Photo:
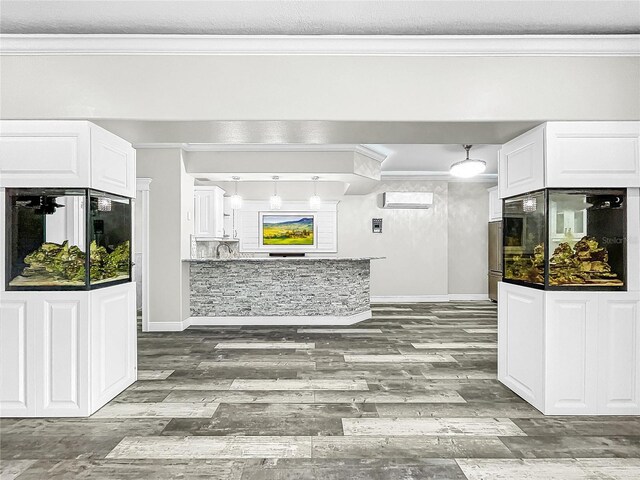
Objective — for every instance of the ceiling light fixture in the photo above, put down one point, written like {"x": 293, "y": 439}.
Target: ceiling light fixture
{"x": 236, "y": 200}
{"x": 468, "y": 167}
{"x": 315, "y": 201}
{"x": 275, "y": 202}
{"x": 529, "y": 204}
{"x": 104, "y": 204}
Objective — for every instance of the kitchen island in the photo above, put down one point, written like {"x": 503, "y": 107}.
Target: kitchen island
{"x": 279, "y": 291}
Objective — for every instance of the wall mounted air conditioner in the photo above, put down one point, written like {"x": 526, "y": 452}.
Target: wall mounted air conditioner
{"x": 407, "y": 199}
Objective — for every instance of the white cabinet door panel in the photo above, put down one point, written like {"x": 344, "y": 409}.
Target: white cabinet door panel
{"x": 44, "y": 154}
{"x": 522, "y": 164}
{"x": 113, "y": 165}
{"x": 619, "y": 355}
{"x": 16, "y": 394}
{"x": 209, "y": 212}
{"x": 62, "y": 338}
{"x": 113, "y": 349}
{"x": 571, "y": 335}
{"x": 593, "y": 154}
{"x": 520, "y": 341}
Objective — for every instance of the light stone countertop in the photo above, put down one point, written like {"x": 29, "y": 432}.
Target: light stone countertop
{"x": 271, "y": 259}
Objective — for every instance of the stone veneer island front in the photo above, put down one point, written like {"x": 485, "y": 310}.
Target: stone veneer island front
{"x": 279, "y": 291}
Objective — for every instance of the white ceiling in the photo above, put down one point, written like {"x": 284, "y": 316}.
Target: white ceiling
{"x": 312, "y": 17}
{"x": 433, "y": 157}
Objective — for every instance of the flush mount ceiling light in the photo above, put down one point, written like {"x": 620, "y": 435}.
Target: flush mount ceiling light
{"x": 275, "y": 202}
{"x": 468, "y": 167}
{"x": 314, "y": 200}
{"x": 236, "y": 200}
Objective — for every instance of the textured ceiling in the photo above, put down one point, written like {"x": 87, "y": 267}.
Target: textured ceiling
{"x": 360, "y": 17}
{"x": 433, "y": 157}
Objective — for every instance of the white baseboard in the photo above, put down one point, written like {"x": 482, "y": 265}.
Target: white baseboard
{"x": 259, "y": 321}
{"x": 453, "y": 297}
{"x": 281, "y": 320}
{"x": 467, "y": 297}
{"x": 168, "y": 326}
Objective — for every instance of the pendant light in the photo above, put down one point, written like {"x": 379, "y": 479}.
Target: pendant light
{"x": 275, "y": 202}
{"x": 236, "y": 200}
{"x": 468, "y": 167}
{"x": 314, "y": 200}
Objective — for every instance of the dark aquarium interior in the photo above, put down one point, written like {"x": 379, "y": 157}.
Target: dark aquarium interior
{"x": 566, "y": 239}
{"x": 66, "y": 239}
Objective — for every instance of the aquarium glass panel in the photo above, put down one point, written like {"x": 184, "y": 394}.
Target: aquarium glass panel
{"x": 590, "y": 251}
{"x": 109, "y": 224}
{"x": 524, "y": 242}
{"x": 45, "y": 238}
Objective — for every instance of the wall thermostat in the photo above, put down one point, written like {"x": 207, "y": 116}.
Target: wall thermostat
{"x": 376, "y": 225}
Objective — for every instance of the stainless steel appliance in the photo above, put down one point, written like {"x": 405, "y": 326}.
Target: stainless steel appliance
{"x": 495, "y": 258}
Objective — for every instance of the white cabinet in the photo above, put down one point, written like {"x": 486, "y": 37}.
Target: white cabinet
{"x": 66, "y": 354}
{"x": 209, "y": 212}
{"x": 571, "y": 154}
{"x": 495, "y": 205}
{"x": 521, "y": 341}
{"x": 593, "y": 154}
{"x": 17, "y": 363}
{"x": 65, "y": 154}
{"x": 571, "y": 353}
{"x": 521, "y": 164}
{"x": 619, "y": 354}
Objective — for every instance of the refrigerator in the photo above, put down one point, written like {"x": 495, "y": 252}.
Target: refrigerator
{"x": 495, "y": 258}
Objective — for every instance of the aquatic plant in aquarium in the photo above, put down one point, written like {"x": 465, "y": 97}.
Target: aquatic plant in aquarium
{"x": 47, "y": 233}
{"x": 579, "y": 235}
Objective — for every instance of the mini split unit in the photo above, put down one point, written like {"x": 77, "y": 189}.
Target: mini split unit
{"x": 407, "y": 199}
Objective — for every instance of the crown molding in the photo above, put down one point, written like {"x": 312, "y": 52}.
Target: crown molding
{"x": 436, "y": 175}
{"x": 361, "y": 45}
{"x": 367, "y": 151}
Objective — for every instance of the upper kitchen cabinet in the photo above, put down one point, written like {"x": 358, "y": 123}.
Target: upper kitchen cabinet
{"x": 571, "y": 155}
{"x": 209, "y": 212}
{"x": 63, "y": 154}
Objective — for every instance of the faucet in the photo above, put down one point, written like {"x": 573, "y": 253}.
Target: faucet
{"x": 222, "y": 244}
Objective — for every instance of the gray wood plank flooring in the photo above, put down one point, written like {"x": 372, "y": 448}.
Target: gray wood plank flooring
{"x": 410, "y": 394}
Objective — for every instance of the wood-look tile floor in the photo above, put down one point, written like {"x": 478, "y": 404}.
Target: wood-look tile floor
{"x": 409, "y": 394}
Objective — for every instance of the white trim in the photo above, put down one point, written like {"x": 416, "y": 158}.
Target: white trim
{"x": 367, "y": 45}
{"x": 435, "y": 175}
{"x": 143, "y": 187}
{"x": 468, "y": 297}
{"x": 371, "y": 153}
{"x": 409, "y": 298}
{"x": 168, "y": 326}
{"x": 259, "y": 321}
{"x": 143, "y": 183}
{"x": 367, "y": 151}
{"x": 452, "y": 297}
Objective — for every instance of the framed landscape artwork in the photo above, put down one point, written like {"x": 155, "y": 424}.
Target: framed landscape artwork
{"x": 288, "y": 230}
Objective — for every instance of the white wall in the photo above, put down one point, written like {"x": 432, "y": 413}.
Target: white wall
{"x": 163, "y": 166}
{"x": 413, "y": 242}
{"x": 468, "y": 237}
{"x": 307, "y": 87}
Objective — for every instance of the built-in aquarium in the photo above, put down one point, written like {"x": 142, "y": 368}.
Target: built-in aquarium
{"x": 66, "y": 239}
{"x": 566, "y": 239}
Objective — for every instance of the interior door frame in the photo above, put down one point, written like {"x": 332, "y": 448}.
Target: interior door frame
{"x": 142, "y": 196}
